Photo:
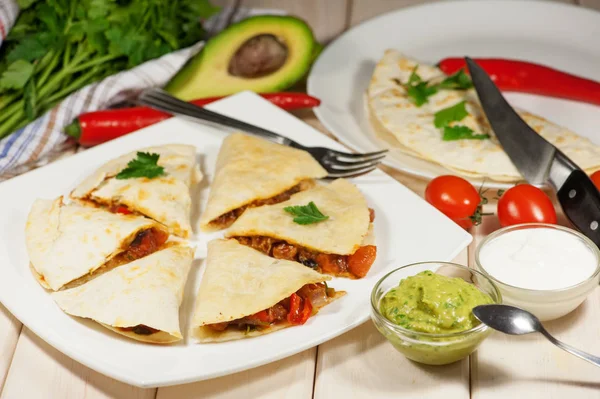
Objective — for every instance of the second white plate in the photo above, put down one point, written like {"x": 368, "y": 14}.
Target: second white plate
{"x": 558, "y": 35}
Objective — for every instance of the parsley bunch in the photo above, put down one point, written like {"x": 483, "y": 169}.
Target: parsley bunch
{"x": 58, "y": 46}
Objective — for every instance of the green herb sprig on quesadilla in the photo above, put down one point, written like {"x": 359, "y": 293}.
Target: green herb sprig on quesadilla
{"x": 419, "y": 90}
{"x": 460, "y": 132}
{"x": 306, "y": 214}
{"x": 144, "y": 165}
{"x": 455, "y": 113}
{"x": 457, "y": 81}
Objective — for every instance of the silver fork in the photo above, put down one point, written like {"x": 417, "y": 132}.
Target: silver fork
{"x": 338, "y": 164}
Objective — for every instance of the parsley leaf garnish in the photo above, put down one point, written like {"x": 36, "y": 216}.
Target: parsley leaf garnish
{"x": 418, "y": 90}
{"x": 306, "y": 214}
{"x": 457, "y": 81}
{"x": 145, "y": 165}
{"x": 414, "y": 78}
{"x": 454, "y": 113}
{"x": 420, "y": 93}
{"x": 461, "y": 132}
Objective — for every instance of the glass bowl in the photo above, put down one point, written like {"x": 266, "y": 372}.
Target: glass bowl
{"x": 428, "y": 348}
{"x": 546, "y": 304}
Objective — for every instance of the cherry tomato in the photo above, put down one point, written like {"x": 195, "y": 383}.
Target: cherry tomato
{"x": 596, "y": 178}
{"x": 454, "y": 197}
{"x": 525, "y": 204}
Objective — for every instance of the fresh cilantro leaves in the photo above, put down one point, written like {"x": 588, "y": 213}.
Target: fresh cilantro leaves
{"x": 56, "y": 47}
{"x": 144, "y": 165}
{"x": 23, "y": 4}
{"x": 457, "y": 81}
{"x": 306, "y": 214}
{"x": 456, "y": 112}
{"x": 420, "y": 93}
{"x": 16, "y": 75}
{"x": 419, "y": 90}
{"x": 460, "y": 132}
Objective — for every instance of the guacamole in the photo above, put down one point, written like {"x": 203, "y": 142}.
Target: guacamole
{"x": 432, "y": 303}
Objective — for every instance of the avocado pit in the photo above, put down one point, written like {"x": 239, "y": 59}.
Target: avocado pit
{"x": 258, "y": 56}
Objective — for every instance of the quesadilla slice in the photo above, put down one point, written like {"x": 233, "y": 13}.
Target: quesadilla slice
{"x": 252, "y": 172}
{"x": 412, "y": 109}
{"x": 67, "y": 243}
{"x": 153, "y": 182}
{"x": 139, "y": 300}
{"x": 245, "y": 293}
{"x": 338, "y": 244}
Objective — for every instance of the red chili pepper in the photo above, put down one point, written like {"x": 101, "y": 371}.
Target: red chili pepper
{"x": 527, "y": 77}
{"x": 97, "y": 127}
{"x": 300, "y": 309}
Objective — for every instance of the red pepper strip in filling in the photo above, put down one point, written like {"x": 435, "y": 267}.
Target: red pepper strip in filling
{"x": 527, "y": 77}
{"x": 300, "y": 310}
{"x": 296, "y": 309}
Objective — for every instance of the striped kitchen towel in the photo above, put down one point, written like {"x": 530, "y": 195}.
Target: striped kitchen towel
{"x": 43, "y": 140}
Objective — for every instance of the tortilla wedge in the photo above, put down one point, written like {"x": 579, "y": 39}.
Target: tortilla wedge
{"x": 250, "y": 172}
{"x": 345, "y": 231}
{"x": 139, "y": 300}
{"x": 165, "y": 199}
{"x": 69, "y": 242}
{"x": 239, "y": 281}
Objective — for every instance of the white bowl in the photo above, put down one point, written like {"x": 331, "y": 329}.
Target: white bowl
{"x": 545, "y": 304}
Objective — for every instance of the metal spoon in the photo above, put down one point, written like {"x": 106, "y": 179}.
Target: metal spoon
{"x": 515, "y": 321}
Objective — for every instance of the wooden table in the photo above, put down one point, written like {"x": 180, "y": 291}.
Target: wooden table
{"x": 358, "y": 364}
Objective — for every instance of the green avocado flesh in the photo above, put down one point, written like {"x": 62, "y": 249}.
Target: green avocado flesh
{"x": 264, "y": 54}
{"x": 432, "y": 303}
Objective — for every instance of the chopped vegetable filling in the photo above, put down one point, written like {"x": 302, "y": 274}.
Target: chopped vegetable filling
{"x": 295, "y": 309}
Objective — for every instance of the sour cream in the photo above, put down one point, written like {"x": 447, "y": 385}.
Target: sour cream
{"x": 538, "y": 259}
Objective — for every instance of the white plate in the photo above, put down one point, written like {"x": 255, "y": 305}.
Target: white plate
{"x": 407, "y": 230}
{"x": 559, "y": 35}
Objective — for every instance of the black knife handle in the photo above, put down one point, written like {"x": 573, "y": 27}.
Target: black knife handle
{"x": 580, "y": 201}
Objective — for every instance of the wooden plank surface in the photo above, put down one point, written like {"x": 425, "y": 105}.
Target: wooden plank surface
{"x": 595, "y": 4}
{"x": 39, "y": 371}
{"x": 327, "y": 18}
{"x": 10, "y": 328}
{"x": 290, "y": 378}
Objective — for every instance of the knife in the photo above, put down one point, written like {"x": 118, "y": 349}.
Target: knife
{"x": 539, "y": 161}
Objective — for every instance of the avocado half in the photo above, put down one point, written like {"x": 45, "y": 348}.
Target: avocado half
{"x": 264, "y": 54}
